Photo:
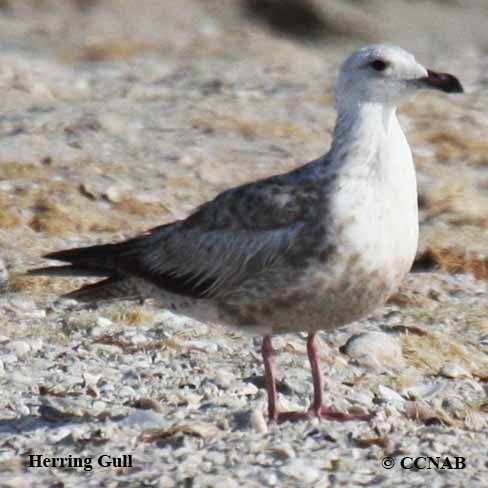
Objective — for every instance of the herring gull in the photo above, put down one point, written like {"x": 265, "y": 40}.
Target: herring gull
{"x": 312, "y": 249}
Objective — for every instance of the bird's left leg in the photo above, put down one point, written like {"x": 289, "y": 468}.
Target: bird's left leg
{"x": 318, "y": 408}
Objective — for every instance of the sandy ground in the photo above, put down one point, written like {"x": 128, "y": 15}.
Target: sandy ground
{"x": 118, "y": 116}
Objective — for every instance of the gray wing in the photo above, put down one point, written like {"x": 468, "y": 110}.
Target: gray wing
{"x": 247, "y": 231}
{"x": 242, "y": 233}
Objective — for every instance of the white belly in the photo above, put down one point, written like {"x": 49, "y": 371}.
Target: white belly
{"x": 375, "y": 236}
{"x": 382, "y": 212}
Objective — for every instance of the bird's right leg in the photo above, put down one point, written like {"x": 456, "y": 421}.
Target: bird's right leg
{"x": 318, "y": 408}
{"x": 270, "y": 380}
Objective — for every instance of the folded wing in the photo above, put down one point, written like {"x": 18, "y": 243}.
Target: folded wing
{"x": 241, "y": 233}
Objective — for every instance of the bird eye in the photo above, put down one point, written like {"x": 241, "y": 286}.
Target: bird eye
{"x": 378, "y": 65}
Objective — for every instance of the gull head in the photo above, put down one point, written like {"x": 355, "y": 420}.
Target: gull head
{"x": 386, "y": 74}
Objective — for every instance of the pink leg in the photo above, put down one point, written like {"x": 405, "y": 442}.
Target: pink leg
{"x": 269, "y": 377}
{"x": 317, "y": 408}
{"x": 313, "y": 358}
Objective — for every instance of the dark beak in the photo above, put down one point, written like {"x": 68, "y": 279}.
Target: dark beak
{"x": 441, "y": 81}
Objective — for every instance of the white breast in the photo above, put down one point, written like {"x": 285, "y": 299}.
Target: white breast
{"x": 400, "y": 207}
{"x": 377, "y": 202}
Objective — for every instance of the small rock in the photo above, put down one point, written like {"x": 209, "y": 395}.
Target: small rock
{"x": 421, "y": 412}
{"x": 126, "y": 392}
{"x": 6, "y": 186}
{"x": 36, "y": 344}
{"x": 144, "y": 403}
{"x": 9, "y": 358}
{"x": 224, "y": 378}
{"x": 203, "y": 430}
{"x": 240, "y": 388}
{"x": 258, "y": 422}
{"x": 145, "y": 419}
{"x": 475, "y": 420}
{"x": 215, "y": 457}
{"x": 205, "y": 345}
{"x": 423, "y": 391}
{"x": 3, "y": 273}
{"x": 285, "y": 451}
{"x": 368, "y": 361}
{"x": 17, "y": 481}
{"x": 301, "y": 470}
{"x": 59, "y": 408}
{"x": 58, "y": 434}
{"x": 454, "y": 406}
{"x": 114, "y": 194}
{"x": 222, "y": 482}
{"x": 454, "y": 370}
{"x": 98, "y": 187}
{"x": 362, "y": 397}
{"x": 91, "y": 379}
{"x": 103, "y": 322}
{"x": 20, "y": 379}
{"x": 21, "y": 408}
{"x": 187, "y": 161}
{"x": 214, "y": 172}
{"x": 98, "y": 408}
{"x": 20, "y": 348}
{"x": 379, "y": 347}
{"x": 17, "y": 304}
{"x": 391, "y": 396}
{"x": 137, "y": 339}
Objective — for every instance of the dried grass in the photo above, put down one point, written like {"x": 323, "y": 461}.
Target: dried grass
{"x": 35, "y": 285}
{"x": 449, "y": 145}
{"x": 456, "y": 195}
{"x": 134, "y": 316}
{"x": 134, "y": 206}
{"x": 106, "y": 51}
{"x": 73, "y": 216}
{"x": 405, "y": 299}
{"x": 245, "y": 128}
{"x": 452, "y": 260}
{"x": 194, "y": 429}
{"x": 432, "y": 350}
{"x": 52, "y": 219}
{"x": 131, "y": 348}
{"x": 12, "y": 170}
{"x": 8, "y": 218}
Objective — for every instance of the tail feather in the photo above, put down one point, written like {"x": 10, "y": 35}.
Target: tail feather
{"x": 109, "y": 289}
{"x": 93, "y": 261}
{"x": 124, "y": 265}
{"x": 100, "y": 260}
{"x": 69, "y": 270}
{"x": 101, "y": 257}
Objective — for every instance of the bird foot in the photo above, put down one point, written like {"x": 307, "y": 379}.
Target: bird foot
{"x": 293, "y": 416}
{"x": 331, "y": 414}
{"x": 323, "y": 413}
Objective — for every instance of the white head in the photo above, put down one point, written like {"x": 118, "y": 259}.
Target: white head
{"x": 386, "y": 74}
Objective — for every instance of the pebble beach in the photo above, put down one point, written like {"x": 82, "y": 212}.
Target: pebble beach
{"x": 119, "y": 116}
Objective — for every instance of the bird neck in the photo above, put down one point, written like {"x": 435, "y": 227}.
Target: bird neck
{"x": 361, "y": 127}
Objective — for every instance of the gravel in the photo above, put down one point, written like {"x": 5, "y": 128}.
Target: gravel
{"x": 119, "y": 116}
